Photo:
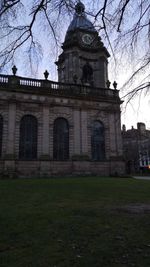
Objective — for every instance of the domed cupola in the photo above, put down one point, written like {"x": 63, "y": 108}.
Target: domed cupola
{"x": 79, "y": 23}
{"x": 80, "y": 20}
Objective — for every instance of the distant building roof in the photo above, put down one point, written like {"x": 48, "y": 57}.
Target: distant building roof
{"x": 132, "y": 133}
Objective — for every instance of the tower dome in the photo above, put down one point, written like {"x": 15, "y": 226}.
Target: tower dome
{"x": 80, "y": 20}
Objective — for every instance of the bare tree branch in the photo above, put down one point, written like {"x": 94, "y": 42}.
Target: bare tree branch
{"x": 122, "y": 14}
{"x": 7, "y": 5}
{"x": 124, "y": 23}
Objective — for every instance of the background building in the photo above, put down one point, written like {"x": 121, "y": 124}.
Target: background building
{"x": 69, "y": 126}
{"x": 136, "y": 147}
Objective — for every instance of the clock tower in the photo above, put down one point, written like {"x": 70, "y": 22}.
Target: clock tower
{"x": 84, "y": 57}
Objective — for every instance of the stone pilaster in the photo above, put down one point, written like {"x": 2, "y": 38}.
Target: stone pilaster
{"x": 84, "y": 133}
{"x": 113, "y": 148}
{"x": 77, "y": 134}
{"x": 10, "y": 149}
{"x": 45, "y": 133}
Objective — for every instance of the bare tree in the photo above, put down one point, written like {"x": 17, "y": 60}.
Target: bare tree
{"x": 124, "y": 23}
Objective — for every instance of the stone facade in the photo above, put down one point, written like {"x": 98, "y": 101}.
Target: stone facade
{"x": 136, "y": 148}
{"x": 81, "y": 99}
{"x": 80, "y": 111}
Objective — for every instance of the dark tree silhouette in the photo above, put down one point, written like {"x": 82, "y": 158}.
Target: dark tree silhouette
{"x": 124, "y": 23}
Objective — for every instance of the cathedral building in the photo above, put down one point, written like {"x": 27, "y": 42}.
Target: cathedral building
{"x": 67, "y": 127}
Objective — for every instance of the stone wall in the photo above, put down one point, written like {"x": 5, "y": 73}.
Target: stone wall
{"x": 41, "y": 169}
{"x": 80, "y": 115}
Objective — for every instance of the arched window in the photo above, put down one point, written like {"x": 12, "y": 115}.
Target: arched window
{"x": 98, "y": 141}
{"x": 1, "y": 134}
{"x": 87, "y": 74}
{"x": 61, "y": 139}
{"x": 28, "y": 138}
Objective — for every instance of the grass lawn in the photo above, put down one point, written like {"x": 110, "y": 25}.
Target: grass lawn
{"x": 81, "y": 222}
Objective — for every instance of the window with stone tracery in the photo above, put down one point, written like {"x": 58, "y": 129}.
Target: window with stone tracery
{"x": 28, "y": 138}
{"x": 61, "y": 139}
{"x": 98, "y": 141}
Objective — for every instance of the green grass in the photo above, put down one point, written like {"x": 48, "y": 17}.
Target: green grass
{"x": 81, "y": 222}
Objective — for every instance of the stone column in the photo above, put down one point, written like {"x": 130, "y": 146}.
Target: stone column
{"x": 10, "y": 150}
{"x": 70, "y": 69}
{"x": 45, "y": 132}
{"x": 67, "y": 69}
{"x": 100, "y": 74}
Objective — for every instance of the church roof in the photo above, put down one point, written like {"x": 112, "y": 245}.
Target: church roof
{"x": 80, "y": 20}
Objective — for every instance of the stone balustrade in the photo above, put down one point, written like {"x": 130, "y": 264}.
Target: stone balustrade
{"x": 56, "y": 88}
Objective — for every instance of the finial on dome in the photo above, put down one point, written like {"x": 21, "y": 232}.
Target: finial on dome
{"x": 79, "y": 8}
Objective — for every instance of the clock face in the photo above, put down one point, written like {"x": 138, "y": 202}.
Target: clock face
{"x": 87, "y": 39}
